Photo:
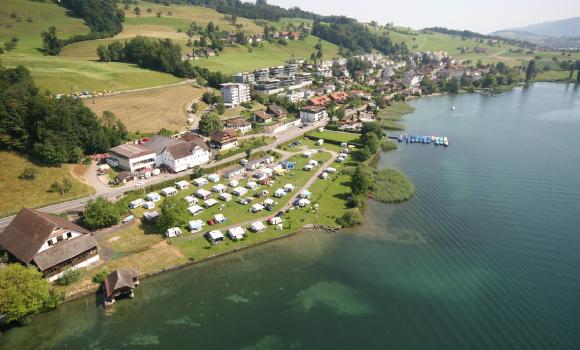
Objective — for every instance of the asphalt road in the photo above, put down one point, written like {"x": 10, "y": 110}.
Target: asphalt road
{"x": 114, "y": 192}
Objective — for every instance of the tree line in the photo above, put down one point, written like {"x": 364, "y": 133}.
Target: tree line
{"x": 103, "y": 17}
{"x": 351, "y": 35}
{"x": 162, "y": 55}
{"x": 474, "y": 35}
{"x": 53, "y": 130}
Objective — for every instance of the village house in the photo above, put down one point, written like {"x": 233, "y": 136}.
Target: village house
{"x": 277, "y": 111}
{"x": 294, "y": 35}
{"x": 239, "y": 124}
{"x": 319, "y": 101}
{"x": 235, "y": 93}
{"x": 178, "y": 155}
{"x": 224, "y": 139}
{"x": 295, "y": 96}
{"x": 262, "y": 117}
{"x": 49, "y": 242}
{"x": 339, "y": 96}
{"x": 133, "y": 157}
{"x": 312, "y": 114}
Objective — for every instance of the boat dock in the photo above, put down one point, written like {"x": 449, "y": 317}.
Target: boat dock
{"x": 423, "y": 139}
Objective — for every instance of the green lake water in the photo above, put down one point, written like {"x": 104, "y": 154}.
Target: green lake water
{"x": 498, "y": 267}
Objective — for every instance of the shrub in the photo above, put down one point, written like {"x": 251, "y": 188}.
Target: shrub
{"x": 29, "y": 173}
{"x": 101, "y": 275}
{"x": 349, "y": 218}
{"x": 68, "y": 277}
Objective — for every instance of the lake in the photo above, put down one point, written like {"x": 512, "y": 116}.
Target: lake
{"x": 485, "y": 256}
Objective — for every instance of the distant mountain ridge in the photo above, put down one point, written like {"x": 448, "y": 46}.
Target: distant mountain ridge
{"x": 569, "y": 27}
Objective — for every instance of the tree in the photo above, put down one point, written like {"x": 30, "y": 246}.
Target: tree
{"x": 371, "y": 141}
{"x": 454, "y": 85}
{"x": 23, "y": 292}
{"x": 173, "y": 213}
{"x": 50, "y": 41}
{"x": 361, "y": 180}
{"x": 531, "y": 71}
{"x": 61, "y": 187}
{"x": 210, "y": 123}
{"x": 221, "y": 107}
{"x": 29, "y": 173}
{"x": 100, "y": 213}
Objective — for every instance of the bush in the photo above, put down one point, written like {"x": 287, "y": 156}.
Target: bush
{"x": 29, "y": 173}
{"x": 349, "y": 218}
{"x": 68, "y": 277}
{"x": 101, "y": 275}
{"x": 388, "y": 145}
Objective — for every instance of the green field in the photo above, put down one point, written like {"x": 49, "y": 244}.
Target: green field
{"x": 18, "y": 193}
{"x": 77, "y": 68}
{"x": 234, "y": 60}
{"x": 336, "y": 136}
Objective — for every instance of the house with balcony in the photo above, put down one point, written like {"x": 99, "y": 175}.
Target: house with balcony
{"x": 48, "y": 242}
{"x": 224, "y": 139}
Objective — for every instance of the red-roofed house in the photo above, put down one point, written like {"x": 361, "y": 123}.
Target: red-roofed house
{"x": 339, "y": 96}
{"x": 320, "y": 101}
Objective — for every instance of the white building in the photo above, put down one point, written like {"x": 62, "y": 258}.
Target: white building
{"x": 178, "y": 155}
{"x": 295, "y": 96}
{"x": 312, "y": 114}
{"x": 235, "y": 93}
{"x": 133, "y": 157}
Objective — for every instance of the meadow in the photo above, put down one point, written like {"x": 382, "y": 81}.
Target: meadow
{"x": 36, "y": 190}
{"x": 150, "y": 110}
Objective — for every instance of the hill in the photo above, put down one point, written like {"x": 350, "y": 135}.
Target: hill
{"x": 569, "y": 27}
{"x": 77, "y": 68}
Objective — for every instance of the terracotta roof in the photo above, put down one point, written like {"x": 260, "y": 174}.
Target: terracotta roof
{"x": 131, "y": 150}
{"x": 320, "y": 100}
{"x": 338, "y": 96}
{"x": 29, "y": 230}
{"x": 65, "y": 250}
{"x": 119, "y": 279}
{"x": 275, "y": 109}
{"x": 218, "y": 136}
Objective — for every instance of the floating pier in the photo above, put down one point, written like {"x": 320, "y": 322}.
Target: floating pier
{"x": 423, "y": 139}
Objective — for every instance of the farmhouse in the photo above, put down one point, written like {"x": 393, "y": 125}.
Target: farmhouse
{"x": 224, "y": 139}
{"x": 133, "y": 157}
{"x": 312, "y": 114}
{"x": 277, "y": 111}
{"x": 48, "y": 241}
{"x": 239, "y": 124}
{"x": 262, "y": 117}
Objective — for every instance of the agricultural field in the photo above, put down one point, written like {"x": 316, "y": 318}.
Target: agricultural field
{"x": 36, "y": 190}
{"x": 150, "y": 110}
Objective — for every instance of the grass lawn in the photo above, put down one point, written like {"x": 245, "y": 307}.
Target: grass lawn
{"x": 337, "y": 136}
{"x": 234, "y": 60}
{"x": 151, "y": 110}
{"x": 18, "y": 193}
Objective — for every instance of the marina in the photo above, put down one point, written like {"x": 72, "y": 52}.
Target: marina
{"x": 423, "y": 139}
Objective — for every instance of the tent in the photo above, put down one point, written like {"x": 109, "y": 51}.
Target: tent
{"x": 173, "y": 232}
{"x": 236, "y": 233}
{"x": 195, "y": 209}
{"x": 257, "y": 207}
{"x": 169, "y": 191}
{"x": 153, "y": 197}
{"x": 182, "y": 184}
{"x": 215, "y": 236}
{"x": 195, "y": 225}
{"x": 226, "y": 197}
{"x": 213, "y": 177}
{"x": 210, "y": 203}
{"x": 257, "y": 226}
{"x": 288, "y": 187}
{"x": 200, "y": 181}
{"x": 239, "y": 191}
